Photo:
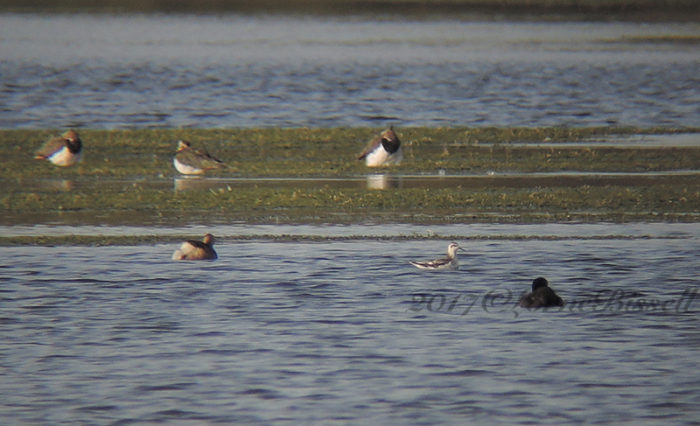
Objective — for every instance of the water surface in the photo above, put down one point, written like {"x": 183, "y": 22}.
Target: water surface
{"x": 125, "y": 71}
{"x": 348, "y": 331}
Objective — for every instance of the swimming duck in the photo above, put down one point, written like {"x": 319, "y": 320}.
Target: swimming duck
{"x": 64, "y": 150}
{"x": 541, "y": 296}
{"x": 196, "y": 250}
{"x": 384, "y": 149}
{"x": 192, "y": 161}
{"x": 450, "y": 262}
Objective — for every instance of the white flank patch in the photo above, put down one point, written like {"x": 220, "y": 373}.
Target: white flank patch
{"x": 185, "y": 169}
{"x": 63, "y": 157}
{"x": 380, "y": 157}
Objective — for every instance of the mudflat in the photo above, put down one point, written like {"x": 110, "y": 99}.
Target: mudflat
{"x": 303, "y": 175}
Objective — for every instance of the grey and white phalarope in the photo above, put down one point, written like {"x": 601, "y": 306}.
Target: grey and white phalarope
{"x": 194, "y": 161}
{"x": 450, "y": 262}
{"x": 196, "y": 250}
{"x": 542, "y": 296}
{"x": 384, "y": 149}
{"x": 64, "y": 150}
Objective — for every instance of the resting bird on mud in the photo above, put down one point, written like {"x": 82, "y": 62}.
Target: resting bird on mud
{"x": 192, "y": 161}
{"x": 196, "y": 250}
{"x": 542, "y": 296}
{"x": 383, "y": 150}
{"x": 65, "y": 150}
{"x": 450, "y": 262}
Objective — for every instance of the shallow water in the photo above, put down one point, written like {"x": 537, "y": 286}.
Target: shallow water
{"x": 348, "y": 331}
{"x": 379, "y": 181}
{"x": 125, "y": 71}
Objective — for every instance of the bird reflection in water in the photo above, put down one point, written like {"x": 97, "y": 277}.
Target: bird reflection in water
{"x": 61, "y": 185}
{"x": 198, "y": 183}
{"x": 382, "y": 181}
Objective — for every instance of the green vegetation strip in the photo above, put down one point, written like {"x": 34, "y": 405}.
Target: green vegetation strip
{"x": 331, "y": 152}
{"x": 312, "y": 176}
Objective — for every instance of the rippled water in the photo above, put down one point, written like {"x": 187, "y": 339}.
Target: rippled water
{"x": 104, "y": 71}
{"x": 347, "y": 331}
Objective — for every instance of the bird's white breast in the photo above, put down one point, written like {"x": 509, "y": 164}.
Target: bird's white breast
{"x": 380, "y": 156}
{"x": 185, "y": 169}
{"x": 63, "y": 157}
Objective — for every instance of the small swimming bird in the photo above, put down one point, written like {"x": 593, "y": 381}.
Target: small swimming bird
{"x": 384, "y": 149}
{"x": 450, "y": 262}
{"x": 541, "y": 296}
{"x": 193, "y": 161}
{"x": 196, "y": 250}
{"x": 64, "y": 150}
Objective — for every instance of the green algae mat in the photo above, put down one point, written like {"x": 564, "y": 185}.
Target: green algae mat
{"x": 448, "y": 175}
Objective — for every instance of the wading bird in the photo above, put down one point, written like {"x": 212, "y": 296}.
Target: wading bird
{"x": 64, "y": 150}
{"x": 384, "y": 149}
{"x": 450, "y": 262}
{"x": 193, "y": 161}
{"x": 196, "y": 250}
